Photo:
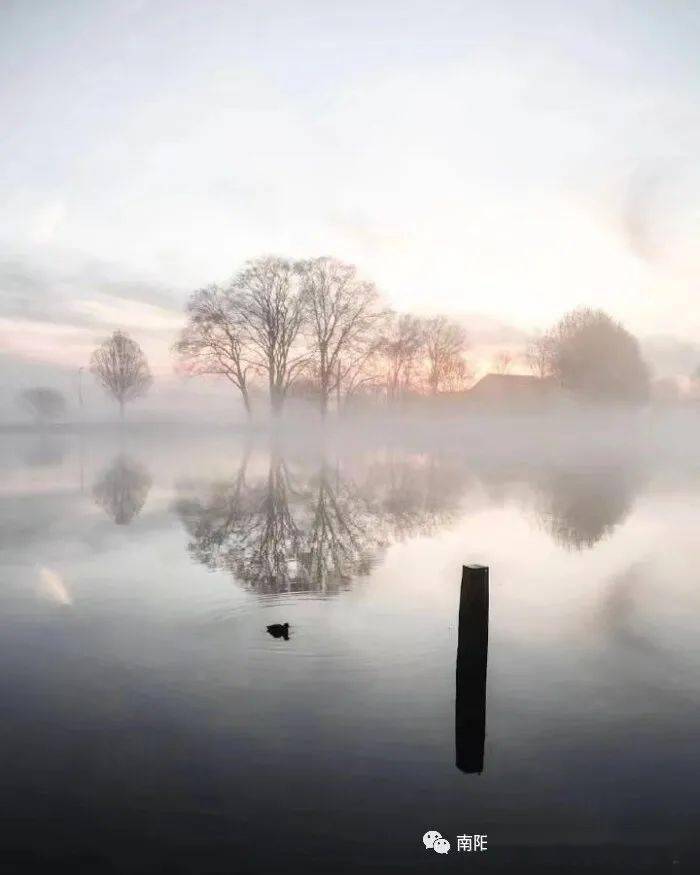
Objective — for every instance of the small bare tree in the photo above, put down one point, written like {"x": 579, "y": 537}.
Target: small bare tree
{"x": 402, "y": 346}
{"x": 456, "y": 375}
{"x": 343, "y": 317}
{"x": 502, "y": 362}
{"x": 269, "y": 299}
{"x": 445, "y": 344}
{"x": 45, "y": 405}
{"x": 540, "y": 352}
{"x": 214, "y": 339}
{"x": 121, "y": 369}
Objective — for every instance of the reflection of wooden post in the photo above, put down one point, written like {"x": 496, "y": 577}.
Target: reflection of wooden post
{"x": 472, "y": 651}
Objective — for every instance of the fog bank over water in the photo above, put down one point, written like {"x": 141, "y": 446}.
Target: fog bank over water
{"x": 577, "y": 474}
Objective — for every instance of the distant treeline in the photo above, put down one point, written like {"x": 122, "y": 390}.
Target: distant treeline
{"x": 316, "y": 329}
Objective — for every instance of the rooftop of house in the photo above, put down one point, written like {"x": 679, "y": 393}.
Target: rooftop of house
{"x": 504, "y": 387}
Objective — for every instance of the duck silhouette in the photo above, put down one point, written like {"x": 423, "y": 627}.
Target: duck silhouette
{"x": 279, "y": 630}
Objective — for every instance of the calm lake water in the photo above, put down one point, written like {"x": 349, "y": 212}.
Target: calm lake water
{"x": 151, "y": 724}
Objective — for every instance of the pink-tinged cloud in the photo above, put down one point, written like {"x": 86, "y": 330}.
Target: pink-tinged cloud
{"x": 46, "y": 342}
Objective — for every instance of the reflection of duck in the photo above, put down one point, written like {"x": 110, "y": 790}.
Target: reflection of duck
{"x": 279, "y": 630}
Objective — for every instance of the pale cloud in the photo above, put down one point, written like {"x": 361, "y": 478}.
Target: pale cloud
{"x": 128, "y": 314}
{"x": 45, "y": 341}
{"x": 46, "y": 221}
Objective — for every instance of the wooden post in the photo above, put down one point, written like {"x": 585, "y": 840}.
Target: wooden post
{"x": 472, "y": 652}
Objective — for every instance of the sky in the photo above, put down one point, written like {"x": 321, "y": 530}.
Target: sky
{"x": 499, "y": 161}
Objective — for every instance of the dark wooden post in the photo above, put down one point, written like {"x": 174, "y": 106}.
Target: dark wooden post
{"x": 472, "y": 652}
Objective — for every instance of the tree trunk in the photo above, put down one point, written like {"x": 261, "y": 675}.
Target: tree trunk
{"x": 246, "y": 404}
{"x": 276, "y": 394}
{"x": 276, "y": 401}
{"x": 323, "y": 399}
{"x": 324, "y": 375}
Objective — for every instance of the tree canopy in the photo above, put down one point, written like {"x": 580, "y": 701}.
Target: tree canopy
{"x": 121, "y": 368}
{"x": 593, "y": 356}
{"x": 42, "y": 403}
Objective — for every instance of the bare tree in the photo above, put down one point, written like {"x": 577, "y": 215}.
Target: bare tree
{"x": 365, "y": 375}
{"x": 445, "y": 344}
{"x": 43, "y": 404}
{"x": 457, "y": 374}
{"x": 214, "y": 339}
{"x": 121, "y": 368}
{"x": 269, "y": 299}
{"x": 343, "y": 316}
{"x": 402, "y": 346}
{"x": 539, "y": 356}
{"x": 502, "y": 362}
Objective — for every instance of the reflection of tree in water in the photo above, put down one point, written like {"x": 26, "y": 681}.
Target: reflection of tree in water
{"x": 296, "y": 532}
{"x": 45, "y": 451}
{"x": 280, "y": 533}
{"x": 341, "y": 538}
{"x": 122, "y": 490}
{"x": 263, "y": 541}
{"x": 580, "y": 506}
{"x": 416, "y": 495}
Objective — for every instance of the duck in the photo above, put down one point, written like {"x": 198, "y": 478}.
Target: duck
{"x": 279, "y": 630}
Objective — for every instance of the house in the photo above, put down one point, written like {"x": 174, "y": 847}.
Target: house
{"x": 514, "y": 392}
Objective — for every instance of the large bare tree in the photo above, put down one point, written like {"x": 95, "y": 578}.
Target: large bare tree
{"x": 120, "y": 366}
{"x": 343, "y": 317}
{"x": 269, "y": 298}
{"x": 445, "y": 344}
{"x": 214, "y": 339}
